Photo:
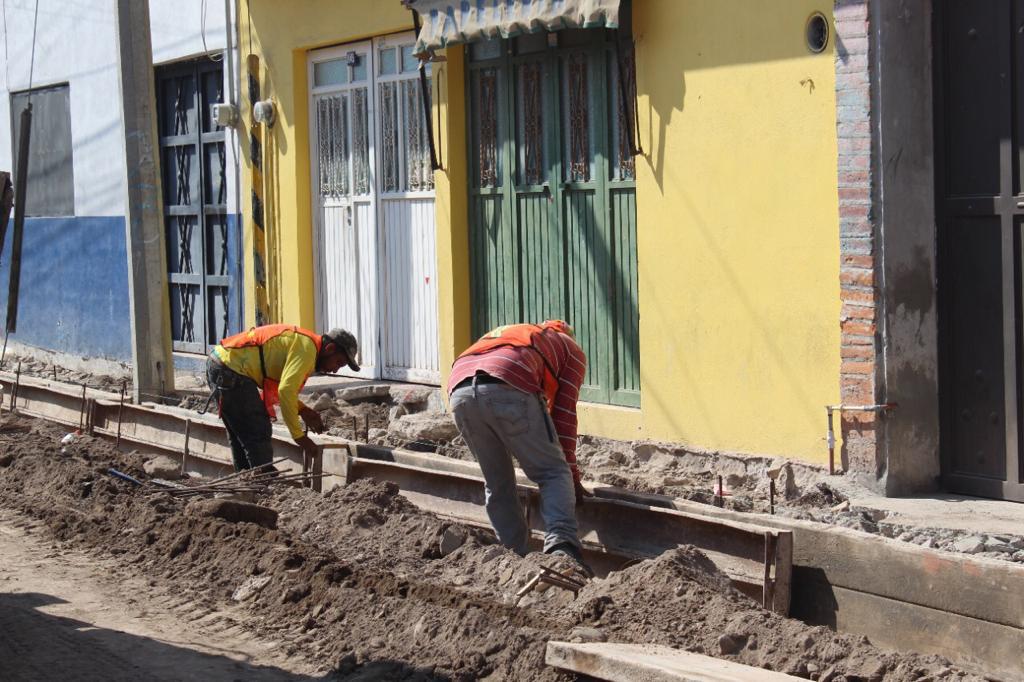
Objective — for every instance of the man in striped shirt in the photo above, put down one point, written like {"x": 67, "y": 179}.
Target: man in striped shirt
{"x": 514, "y": 394}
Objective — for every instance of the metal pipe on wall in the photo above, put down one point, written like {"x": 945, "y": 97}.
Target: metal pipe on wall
{"x": 830, "y": 438}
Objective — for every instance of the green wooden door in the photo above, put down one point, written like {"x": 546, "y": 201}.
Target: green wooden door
{"x": 553, "y": 199}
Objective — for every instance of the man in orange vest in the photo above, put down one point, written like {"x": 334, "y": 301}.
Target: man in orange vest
{"x": 513, "y": 394}
{"x": 251, "y": 372}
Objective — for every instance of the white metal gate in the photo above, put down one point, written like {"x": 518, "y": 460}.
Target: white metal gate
{"x": 373, "y": 206}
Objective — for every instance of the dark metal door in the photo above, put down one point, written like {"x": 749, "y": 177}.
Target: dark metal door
{"x": 979, "y": 116}
{"x": 198, "y": 233}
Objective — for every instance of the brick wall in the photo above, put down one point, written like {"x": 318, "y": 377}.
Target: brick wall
{"x": 859, "y": 315}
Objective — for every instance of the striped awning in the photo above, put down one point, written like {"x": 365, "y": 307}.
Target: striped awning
{"x": 450, "y": 22}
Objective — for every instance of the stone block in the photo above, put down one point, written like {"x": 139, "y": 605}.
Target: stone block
{"x": 424, "y": 426}
{"x": 322, "y": 402}
{"x": 250, "y": 588}
{"x": 163, "y": 467}
{"x": 451, "y": 539}
{"x": 995, "y": 545}
{"x": 365, "y": 392}
{"x": 411, "y": 395}
{"x": 972, "y": 544}
{"x": 585, "y": 634}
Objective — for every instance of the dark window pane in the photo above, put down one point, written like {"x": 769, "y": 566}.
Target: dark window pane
{"x": 51, "y": 179}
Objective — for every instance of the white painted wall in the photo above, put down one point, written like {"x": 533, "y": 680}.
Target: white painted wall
{"x": 176, "y": 28}
{"x": 76, "y": 43}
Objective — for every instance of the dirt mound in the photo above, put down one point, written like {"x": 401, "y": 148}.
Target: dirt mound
{"x": 366, "y": 585}
{"x": 681, "y": 600}
{"x": 821, "y": 495}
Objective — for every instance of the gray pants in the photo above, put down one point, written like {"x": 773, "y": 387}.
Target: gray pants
{"x": 498, "y": 423}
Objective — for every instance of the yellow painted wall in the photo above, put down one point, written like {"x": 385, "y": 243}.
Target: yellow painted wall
{"x": 281, "y": 34}
{"x": 738, "y": 240}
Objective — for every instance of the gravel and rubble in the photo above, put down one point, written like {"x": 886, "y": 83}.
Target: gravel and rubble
{"x": 367, "y": 586}
{"x": 37, "y": 367}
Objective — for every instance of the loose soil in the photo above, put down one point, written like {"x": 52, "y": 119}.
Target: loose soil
{"x": 804, "y": 492}
{"x": 362, "y": 585}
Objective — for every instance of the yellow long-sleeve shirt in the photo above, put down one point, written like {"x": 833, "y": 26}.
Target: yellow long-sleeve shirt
{"x": 290, "y": 358}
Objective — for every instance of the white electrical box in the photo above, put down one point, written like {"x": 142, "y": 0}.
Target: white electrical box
{"x": 225, "y": 115}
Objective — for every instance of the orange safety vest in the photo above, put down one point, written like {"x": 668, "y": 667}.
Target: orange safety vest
{"x": 521, "y": 336}
{"x": 257, "y": 336}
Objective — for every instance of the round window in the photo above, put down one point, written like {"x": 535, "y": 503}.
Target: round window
{"x": 817, "y": 32}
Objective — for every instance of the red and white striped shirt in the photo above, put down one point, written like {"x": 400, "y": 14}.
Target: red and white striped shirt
{"x": 523, "y": 368}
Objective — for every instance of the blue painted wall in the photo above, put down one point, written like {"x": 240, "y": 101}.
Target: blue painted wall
{"x": 74, "y": 286}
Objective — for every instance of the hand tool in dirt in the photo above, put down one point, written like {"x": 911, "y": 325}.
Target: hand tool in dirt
{"x": 568, "y": 580}
{"x": 124, "y": 477}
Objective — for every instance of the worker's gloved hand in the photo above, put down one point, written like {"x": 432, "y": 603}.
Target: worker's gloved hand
{"x": 309, "y": 449}
{"x": 581, "y": 492}
{"x": 312, "y": 418}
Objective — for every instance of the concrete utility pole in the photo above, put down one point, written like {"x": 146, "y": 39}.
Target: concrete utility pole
{"x": 152, "y": 361}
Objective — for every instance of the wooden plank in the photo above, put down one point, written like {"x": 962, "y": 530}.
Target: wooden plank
{"x": 987, "y": 589}
{"x": 651, "y": 663}
{"x": 783, "y": 573}
{"x": 768, "y": 599}
{"x": 988, "y": 648}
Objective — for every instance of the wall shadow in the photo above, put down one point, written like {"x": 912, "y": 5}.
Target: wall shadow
{"x": 37, "y": 645}
{"x": 813, "y": 599}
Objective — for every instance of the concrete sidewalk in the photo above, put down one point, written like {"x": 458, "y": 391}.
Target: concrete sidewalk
{"x": 941, "y": 510}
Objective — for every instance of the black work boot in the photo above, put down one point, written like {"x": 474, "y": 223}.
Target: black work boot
{"x": 571, "y": 551}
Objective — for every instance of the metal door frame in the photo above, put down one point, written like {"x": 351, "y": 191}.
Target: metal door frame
{"x": 199, "y": 139}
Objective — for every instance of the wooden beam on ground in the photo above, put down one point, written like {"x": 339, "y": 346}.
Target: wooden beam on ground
{"x": 651, "y": 663}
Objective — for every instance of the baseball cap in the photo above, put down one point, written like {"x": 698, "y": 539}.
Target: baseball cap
{"x": 347, "y": 343}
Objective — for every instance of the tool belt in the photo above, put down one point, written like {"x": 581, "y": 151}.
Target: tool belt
{"x": 227, "y": 379}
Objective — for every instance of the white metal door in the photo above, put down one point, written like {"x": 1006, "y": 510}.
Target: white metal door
{"x": 409, "y": 347}
{"x": 344, "y": 188}
{"x": 373, "y": 203}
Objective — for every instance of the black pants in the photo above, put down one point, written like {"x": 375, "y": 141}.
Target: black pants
{"x": 244, "y": 416}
